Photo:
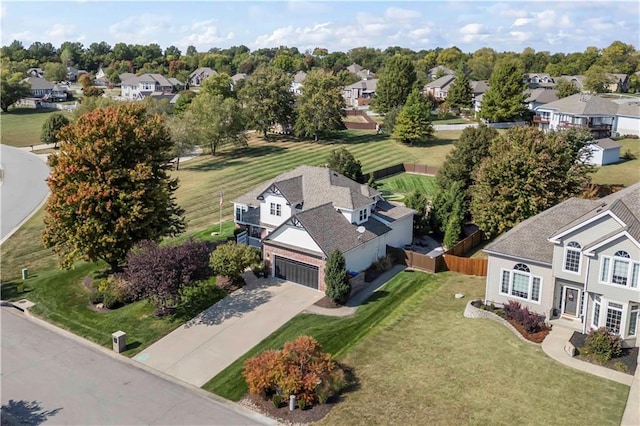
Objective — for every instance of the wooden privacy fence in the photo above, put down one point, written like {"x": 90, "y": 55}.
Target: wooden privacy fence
{"x": 420, "y": 169}
{"x": 369, "y": 125}
{"x": 412, "y": 259}
{"x": 466, "y": 265}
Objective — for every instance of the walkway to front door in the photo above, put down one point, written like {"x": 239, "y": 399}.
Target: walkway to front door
{"x": 204, "y": 346}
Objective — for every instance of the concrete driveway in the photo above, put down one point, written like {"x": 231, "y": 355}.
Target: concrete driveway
{"x": 206, "y": 345}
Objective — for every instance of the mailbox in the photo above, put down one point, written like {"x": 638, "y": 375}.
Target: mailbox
{"x": 119, "y": 341}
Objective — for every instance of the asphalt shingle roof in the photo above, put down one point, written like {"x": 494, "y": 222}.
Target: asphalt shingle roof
{"x": 584, "y": 104}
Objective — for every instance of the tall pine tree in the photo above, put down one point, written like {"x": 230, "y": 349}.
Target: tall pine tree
{"x": 395, "y": 84}
{"x": 413, "y": 123}
{"x": 504, "y": 100}
{"x": 460, "y": 94}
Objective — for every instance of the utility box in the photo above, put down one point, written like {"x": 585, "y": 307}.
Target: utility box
{"x": 25, "y": 273}
{"x": 119, "y": 339}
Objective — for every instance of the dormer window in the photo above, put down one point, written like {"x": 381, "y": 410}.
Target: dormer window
{"x": 275, "y": 209}
{"x": 363, "y": 215}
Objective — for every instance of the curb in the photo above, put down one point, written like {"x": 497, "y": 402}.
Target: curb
{"x": 259, "y": 418}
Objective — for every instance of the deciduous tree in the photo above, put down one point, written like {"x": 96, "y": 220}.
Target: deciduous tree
{"x": 218, "y": 85}
{"x": 12, "y": 89}
{"x": 55, "y": 71}
{"x": 51, "y": 127}
{"x": 504, "y": 100}
{"x": 343, "y": 162}
{"x": 413, "y": 123}
{"x": 395, "y": 83}
{"x": 566, "y": 88}
{"x": 336, "y": 278}
{"x": 180, "y": 128}
{"x": 267, "y": 99}
{"x": 320, "y": 106}
{"x": 526, "y": 172}
{"x": 231, "y": 259}
{"x": 110, "y": 186}
{"x": 597, "y": 79}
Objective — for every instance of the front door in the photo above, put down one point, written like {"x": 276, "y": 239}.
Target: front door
{"x": 571, "y": 301}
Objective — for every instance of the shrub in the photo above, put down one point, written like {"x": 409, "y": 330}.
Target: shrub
{"x": 110, "y": 300}
{"x": 276, "y": 399}
{"x": 530, "y": 321}
{"x": 628, "y": 155}
{"x": 383, "y": 264}
{"x": 231, "y": 259}
{"x": 336, "y": 278}
{"x": 300, "y": 368}
{"x": 511, "y": 309}
{"x": 602, "y": 345}
{"x": 96, "y": 297}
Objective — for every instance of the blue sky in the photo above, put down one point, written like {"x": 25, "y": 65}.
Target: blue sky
{"x": 556, "y": 26}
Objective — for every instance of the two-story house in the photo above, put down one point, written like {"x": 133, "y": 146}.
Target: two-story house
{"x": 579, "y": 261}
{"x": 439, "y": 88}
{"x": 360, "y": 93}
{"x": 201, "y": 74}
{"x": 139, "y": 87}
{"x": 298, "y": 81}
{"x": 39, "y": 87}
{"x": 301, "y": 216}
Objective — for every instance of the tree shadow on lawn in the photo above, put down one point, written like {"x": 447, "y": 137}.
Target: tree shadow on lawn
{"x": 433, "y": 142}
{"x": 255, "y": 151}
{"x": 351, "y": 139}
{"x": 219, "y": 163}
{"x": 377, "y": 295}
{"x": 237, "y": 304}
{"x": 27, "y": 111}
{"x": 25, "y": 413}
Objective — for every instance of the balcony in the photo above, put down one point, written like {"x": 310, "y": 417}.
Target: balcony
{"x": 537, "y": 119}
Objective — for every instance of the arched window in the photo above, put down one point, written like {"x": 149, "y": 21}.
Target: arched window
{"x": 572, "y": 257}
{"x": 521, "y": 267}
{"x": 622, "y": 253}
{"x": 520, "y": 283}
{"x": 620, "y": 270}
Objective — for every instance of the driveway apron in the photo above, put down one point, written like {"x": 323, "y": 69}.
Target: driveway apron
{"x": 207, "y": 344}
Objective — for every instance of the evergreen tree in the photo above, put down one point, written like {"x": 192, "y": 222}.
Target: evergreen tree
{"x": 413, "y": 123}
{"x": 343, "y": 162}
{"x": 460, "y": 94}
{"x": 51, "y": 127}
{"x": 505, "y": 98}
{"x": 336, "y": 278}
{"x": 395, "y": 84}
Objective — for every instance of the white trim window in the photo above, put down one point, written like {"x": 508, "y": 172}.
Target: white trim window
{"x": 520, "y": 283}
{"x": 275, "y": 209}
{"x": 633, "y": 320}
{"x": 572, "y": 258}
{"x": 597, "y": 302}
{"x": 620, "y": 270}
{"x": 614, "y": 317}
{"x": 363, "y": 215}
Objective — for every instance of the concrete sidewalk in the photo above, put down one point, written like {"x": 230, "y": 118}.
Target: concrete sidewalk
{"x": 553, "y": 345}
{"x": 204, "y": 346}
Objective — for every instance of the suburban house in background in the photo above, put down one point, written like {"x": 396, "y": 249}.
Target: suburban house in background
{"x": 296, "y": 84}
{"x": 238, "y": 77}
{"x": 300, "y": 217}
{"x": 438, "y": 71}
{"x": 360, "y": 93}
{"x": 604, "y": 151}
{"x": 603, "y": 115}
{"x": 439, "y": 88}
{"x": 540, "y": 96}
{"x": 201, "y": 74}
{"x": 139, "y": 87}
{"x": 363, "y": 73}
{"x": 46, "y": 90}
{"x": 35, "y": 72}
{"x": 578, "y": 261}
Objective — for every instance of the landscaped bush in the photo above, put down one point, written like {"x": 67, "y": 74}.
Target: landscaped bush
{"x": 383, "y": 264}
{"x": 300, "y": 369}
{"x": 336, "y": 278}
{"x": 96, "y": 297}
{"x": 159, "y": 274}
{"x": 231, "y": 259}
{"x": 530, "y": 321}
{"x": 602, "y": 345}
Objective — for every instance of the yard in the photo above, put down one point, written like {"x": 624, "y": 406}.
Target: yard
{"x": 418, "y": 358}
{"x": 626, "y": 172}
{"x": 22, "y": 126}
{"x": 396, "y": 188}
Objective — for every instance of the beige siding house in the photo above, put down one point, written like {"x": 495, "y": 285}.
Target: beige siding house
{"x": 578, "y": 261}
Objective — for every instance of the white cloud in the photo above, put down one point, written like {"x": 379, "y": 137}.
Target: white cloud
{"x": 521, "y": 21}
{"x": 549, "y": 19}
{"x": 601, "y": 24}
{"x": 60, "y": 30}
{"x": 401, "y": 15}
{"x": 23, "y": 36}
{"x": 3, "y": 11}
{"x": 143, "y": 29}
{"x": 203, "y": 35}
{"x": 521, "y": 36}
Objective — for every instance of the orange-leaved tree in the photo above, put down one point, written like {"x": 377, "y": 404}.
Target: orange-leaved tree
{"x": 110, "y": 186}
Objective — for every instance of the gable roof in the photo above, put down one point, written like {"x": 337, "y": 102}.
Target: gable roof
{"x": 630, "y": 109}
{"x": 441, "y": 82}
{"x": 541, "y": 95}
{"x": 150, "y": 78}
{"x": 239, "y": 76}
{"x": 38, "y": 83}
{"x": 446, "y": 70}
{"x": 354, "y": 68}
{"x": 479, "y": 87}
{"x": 582, "y": 104}
{"x": 607, "y": 143}
{"x": 370, "y": 85}
{"x": 203, "y": 70}
{"x": 531, "y": 239}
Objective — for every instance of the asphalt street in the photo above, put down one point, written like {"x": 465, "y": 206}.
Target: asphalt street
{"x": 50, "y": 378}
{"x": 23, "y": 187}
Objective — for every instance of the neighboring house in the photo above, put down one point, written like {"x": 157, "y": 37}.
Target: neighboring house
{"x": 360, "y": 93}
{"x": 619, "y": 83}
{"x": 39, "y": 87}
{"x": 139, "y": 87}
{"x": 540, "y": 96}
{"x": 201, "y": 74}
{"x": 365, "y": 75}
{"x": 35, "y": 72}
{"x": 604, "y": 151}
{"x": 298, "y": 81}
{"x": 354, "y": 68}
{"x": 434, "y": 72}
{"x": 126, "y": 76}
{"x": 72, "y": 73}
{"x": 592, "y": 112}
{"x": 628, "y": 117}
{"x": 578, "y": 260}
{"x": 100, "y": 74}
{"x": 539, "y": 79}
{"x": 238, "y": 77}
{"x": 301, "y": 216}
{"x": 439, "y": 88}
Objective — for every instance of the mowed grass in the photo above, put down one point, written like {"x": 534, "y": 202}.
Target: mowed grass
{"x": 61, "y": 298}
{"x": 22, "y": 127}
{"x": 419, "y": 361}
{"x": 626, "y": 172}
{"x": 437, "y": 367}
{"x": 236, "y": 172}
{"x": 396, "y": 188}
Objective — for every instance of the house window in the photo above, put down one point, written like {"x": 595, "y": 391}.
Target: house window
{"x": 633, "y": 320}
{"x": 238, "y": 214}
{"x": 572, "y": 257}
{"x": 596, "y": 311}
{"x": 620, "y": 270}
{"x": 520, "y": 283}
{"x": 363, "y": 215}
{"x": 276, "y": 209}
{"x": 614, "y": 317}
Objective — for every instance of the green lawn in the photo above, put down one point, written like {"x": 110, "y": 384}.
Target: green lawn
{"x": 626, "y": 172}
{"x": 22, "y": 127}
{"x": 396, "y": 188}
{"x": 417, "y": 358}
